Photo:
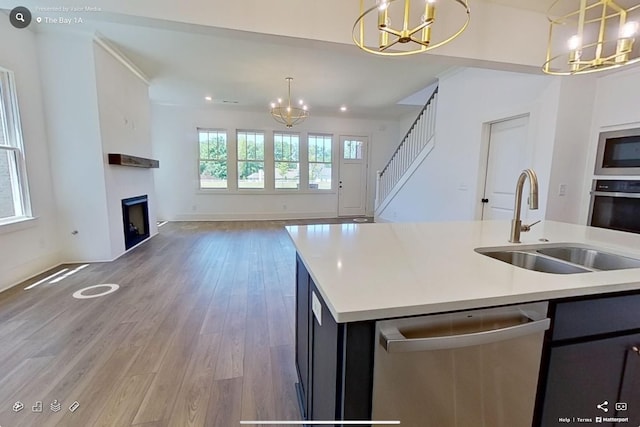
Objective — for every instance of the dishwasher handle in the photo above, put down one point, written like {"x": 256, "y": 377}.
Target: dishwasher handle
{"x": 393, "y": 341}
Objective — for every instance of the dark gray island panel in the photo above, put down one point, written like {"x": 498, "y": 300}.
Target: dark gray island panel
{"x": 339, "y": 356}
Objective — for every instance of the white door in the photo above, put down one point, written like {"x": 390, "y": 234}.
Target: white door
{"x": 505, "y": 161}
{"x": 352, "y": 185}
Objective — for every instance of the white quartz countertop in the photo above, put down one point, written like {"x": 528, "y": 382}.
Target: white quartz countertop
{"x": 376, "y": 271}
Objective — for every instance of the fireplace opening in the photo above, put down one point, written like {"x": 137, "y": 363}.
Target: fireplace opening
{"x": 135, "y": 218}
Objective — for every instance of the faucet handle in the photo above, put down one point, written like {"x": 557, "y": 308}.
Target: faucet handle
{"x": 525, "y": 227}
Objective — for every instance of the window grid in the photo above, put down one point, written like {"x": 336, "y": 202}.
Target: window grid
{"x": 214, "y": 168}
{"x": 286, "y": 153}
{"x": 250, "y": 149}
{"x": 352, "y": 150}
{"x": 14, "y": 196}
{"x": 320, "y": 162}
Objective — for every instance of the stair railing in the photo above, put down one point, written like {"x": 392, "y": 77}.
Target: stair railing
{"x": 416, "y": 139}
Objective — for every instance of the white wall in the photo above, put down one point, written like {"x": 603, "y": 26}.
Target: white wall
{"x": 448, "y": 185}
{"x": 124, "y": 111}
{"x": 174, "y": 135}
{"x": 33, "y": 247}
{"x": 71, "y": 100}
{"x": 572, "y": 142}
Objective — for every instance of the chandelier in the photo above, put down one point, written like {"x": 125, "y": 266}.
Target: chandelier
{"x": 288, "y": 114}
{"x": 586, "y": 36}
{"x": 375, "y": 32}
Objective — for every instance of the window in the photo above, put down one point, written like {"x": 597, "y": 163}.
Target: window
{"x": 14, "y": 197}
{"x": 213, "y": 158}
{"x": 320, "y": 162}
{"x": 352, "y": 150}
{"x": 250, "y": 159}
{"x": 286, "y": 149}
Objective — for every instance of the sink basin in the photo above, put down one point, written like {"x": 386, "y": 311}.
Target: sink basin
{"x": 591, "y": 258}
{"x": 560, "y": 258}
{"x": 535, "y": 262}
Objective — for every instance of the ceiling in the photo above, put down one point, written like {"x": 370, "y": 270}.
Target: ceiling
{"x": 186, "y": 62}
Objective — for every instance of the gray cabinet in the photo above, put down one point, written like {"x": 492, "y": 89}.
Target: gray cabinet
{"x": 303, "y": 313}
{"x": 334, "y": 360}
{"x": 593, "y": 358}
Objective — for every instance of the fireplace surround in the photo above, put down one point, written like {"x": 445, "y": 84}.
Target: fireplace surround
{"x": 135, "y": 219}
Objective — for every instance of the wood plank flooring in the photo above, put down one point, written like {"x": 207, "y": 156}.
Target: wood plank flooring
{"x": 200, "y": 333}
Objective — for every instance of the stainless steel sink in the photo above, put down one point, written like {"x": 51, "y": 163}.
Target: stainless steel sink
{"x": 535, "y": 262}
{"x": 591, "y": 258}
{"x": 560, "y": 258}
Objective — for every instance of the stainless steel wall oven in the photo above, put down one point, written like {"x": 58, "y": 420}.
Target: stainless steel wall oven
{"x": 615, "y": 204}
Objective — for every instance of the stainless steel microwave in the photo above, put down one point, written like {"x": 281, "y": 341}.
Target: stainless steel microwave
{"x": 619, "y": 153}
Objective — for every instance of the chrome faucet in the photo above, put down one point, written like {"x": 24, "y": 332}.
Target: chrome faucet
{"x": 516, "y": 223}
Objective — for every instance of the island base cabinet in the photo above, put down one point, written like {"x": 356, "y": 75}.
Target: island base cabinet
{"x": 592, "y": 379}
{"x": 303, "y": 307}
{"x": 334, "y": 360}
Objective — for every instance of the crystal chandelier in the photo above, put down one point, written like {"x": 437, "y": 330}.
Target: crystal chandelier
{"x": 288, "y": 114}
{"x": 415, "y": 32}
{"x": 586, "y": 36}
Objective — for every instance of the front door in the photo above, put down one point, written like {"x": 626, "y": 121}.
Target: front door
{"x": 352, "y": 186}
{"x": 505, "y": 162}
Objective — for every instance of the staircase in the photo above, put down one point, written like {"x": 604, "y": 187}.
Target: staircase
{"x": 413, "y": 149}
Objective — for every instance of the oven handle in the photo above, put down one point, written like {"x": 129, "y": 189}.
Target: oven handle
{"x": 625, "y": 195}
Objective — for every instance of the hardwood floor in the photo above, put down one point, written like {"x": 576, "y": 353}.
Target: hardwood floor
{"x": 200, "y": 333}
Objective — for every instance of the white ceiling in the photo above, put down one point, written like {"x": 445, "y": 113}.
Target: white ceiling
{"x": 186, "y": 61}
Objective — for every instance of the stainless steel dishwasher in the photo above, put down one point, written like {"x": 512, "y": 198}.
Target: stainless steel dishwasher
{"x": 473, "y": 368}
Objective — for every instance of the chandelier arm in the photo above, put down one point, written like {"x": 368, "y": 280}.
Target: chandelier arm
{"x": 382, "y": 49}
{"x": 419, "y": 28}
{"x": 391, "y": 31}
{"x": 425, "y": 44}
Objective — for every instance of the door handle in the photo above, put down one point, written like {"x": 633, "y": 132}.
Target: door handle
{"x": 393, "y": 341}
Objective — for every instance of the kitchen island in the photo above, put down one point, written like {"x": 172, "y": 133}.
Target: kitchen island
{"x": 351, "y": 275}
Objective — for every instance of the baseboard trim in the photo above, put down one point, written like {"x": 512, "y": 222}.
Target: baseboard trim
{"x": 54, "y": 266}
{"x": 254, "y": 216}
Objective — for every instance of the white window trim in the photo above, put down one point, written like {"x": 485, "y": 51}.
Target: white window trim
{"x": 14, "y": 142}
{"x": 334, "y": 161}
{"x": 269, "y": 164}
{"x": 229, "y": 181}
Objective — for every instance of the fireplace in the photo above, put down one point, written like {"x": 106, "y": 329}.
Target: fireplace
{"x": 135, "y": 218}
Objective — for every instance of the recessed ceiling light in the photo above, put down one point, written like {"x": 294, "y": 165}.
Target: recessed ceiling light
{"x": 343, "y": 108}
{"x": 208, "y": 98}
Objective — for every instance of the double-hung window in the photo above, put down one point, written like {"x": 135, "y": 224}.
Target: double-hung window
{"x": 14, "y": 195}
{"x": 213, "y": 158}
{"x": 286, "y": 153}
{"x": 320, "y": 162}
{"x": 250, "y": 159}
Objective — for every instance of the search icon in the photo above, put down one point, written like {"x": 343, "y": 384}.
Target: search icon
{"x": 20, "y": 17}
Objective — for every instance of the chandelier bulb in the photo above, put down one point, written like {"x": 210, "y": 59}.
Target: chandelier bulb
{"x": 574, "y": 42}
{"x": 304, "y": 107}
{"x": 273, "y": 105}
{"x": 279, "y": 100}
{"x": 383, "y": 5}
{"x": 629, "y": 30}
{"x": 301, "y": 102}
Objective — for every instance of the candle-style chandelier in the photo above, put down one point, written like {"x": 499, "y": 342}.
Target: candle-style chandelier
{"x": 287, "y": 114}
{"x": 402, "y": 28}
{"x": 586, "y": 36}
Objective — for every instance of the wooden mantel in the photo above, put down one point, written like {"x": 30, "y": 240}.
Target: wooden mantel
{"x": 133, "y": 161}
